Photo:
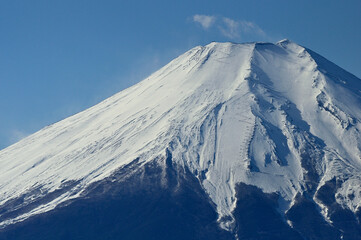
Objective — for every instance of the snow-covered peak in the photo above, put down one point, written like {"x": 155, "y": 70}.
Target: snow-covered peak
{"x": 264, "y": 114}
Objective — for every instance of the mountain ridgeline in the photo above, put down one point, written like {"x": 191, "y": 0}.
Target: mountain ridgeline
{"x": 227, "y": 141}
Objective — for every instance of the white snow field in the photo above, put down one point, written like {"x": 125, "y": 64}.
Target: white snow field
{"x": 252, "y": 113}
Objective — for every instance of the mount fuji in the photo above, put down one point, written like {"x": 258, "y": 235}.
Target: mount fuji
{"x": 227, "y": 141}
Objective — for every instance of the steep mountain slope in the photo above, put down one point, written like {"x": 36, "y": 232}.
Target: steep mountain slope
{"x": 275, "y": 122}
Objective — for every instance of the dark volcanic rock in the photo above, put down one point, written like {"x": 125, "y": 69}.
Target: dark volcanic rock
{"x": 154, "y": 202}
{"x": 257, "y": 217}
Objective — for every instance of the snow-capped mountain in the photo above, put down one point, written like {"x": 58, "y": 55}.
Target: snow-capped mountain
{"x": 275, "y": 125}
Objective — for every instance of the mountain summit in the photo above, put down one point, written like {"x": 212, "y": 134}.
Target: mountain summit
{"x": 227, "y": 141}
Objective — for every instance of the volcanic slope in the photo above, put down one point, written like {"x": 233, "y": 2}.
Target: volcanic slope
{"x": 275, "y": 122}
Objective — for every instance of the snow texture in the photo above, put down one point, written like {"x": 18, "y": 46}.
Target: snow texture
{"x": 276, "y": 116}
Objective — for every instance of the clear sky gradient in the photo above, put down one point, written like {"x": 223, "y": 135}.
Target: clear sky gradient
{"x": 60, "y": 57}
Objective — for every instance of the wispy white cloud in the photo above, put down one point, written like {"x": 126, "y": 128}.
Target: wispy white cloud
{"x": 230, "y": 28}
{"x": 251, "y": 27}
{"x": 234, "y": 29}
{"x": 16, "y": 135}
{"x": 204, "y": 20}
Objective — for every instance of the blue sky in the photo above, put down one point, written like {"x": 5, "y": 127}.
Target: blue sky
{"x": 60, "y": 57}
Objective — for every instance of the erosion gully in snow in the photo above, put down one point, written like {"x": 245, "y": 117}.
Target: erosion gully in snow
{"x": 275, "y": 122}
